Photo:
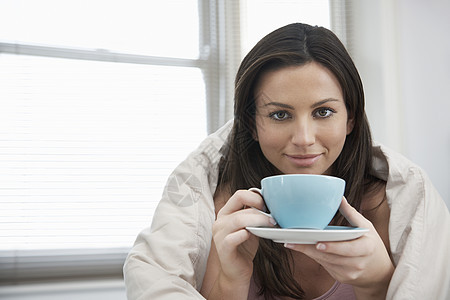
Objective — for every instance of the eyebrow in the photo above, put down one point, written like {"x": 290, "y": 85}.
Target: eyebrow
{"x": 278, "y": 104}
{"x": 317, "y": 104}
{"x": 322, "y": 102}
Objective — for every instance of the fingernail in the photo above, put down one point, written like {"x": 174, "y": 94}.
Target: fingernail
{"x": 289, "y": 246}
{"x": 320, "y": 246}
{"x": 272, "y": 221}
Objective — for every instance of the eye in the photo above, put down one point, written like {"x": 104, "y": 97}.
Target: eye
{"x": 279, "y": 115}
{"x": 324, "y": 112}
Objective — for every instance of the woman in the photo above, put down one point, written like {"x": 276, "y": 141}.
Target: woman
{"x": 299, "y": 108}
{"x": 300, "y": 105}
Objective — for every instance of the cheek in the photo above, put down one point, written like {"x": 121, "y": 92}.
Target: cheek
{"x": 335, "y": 137}
{"x": 269, "y": 137}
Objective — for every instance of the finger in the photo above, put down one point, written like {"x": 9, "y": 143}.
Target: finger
{"x": 239, "y": 200}
{"x": 304, "y": 248}
{"x": 354, "y": 248}
{"x": 236, "y": 238}
{"x": 352, "y": 215}
{"x": 227, "y": 224}
{"x": 312, "y": 252}
{"x": 250, "y": 217}
{"x": 323, "y": 258}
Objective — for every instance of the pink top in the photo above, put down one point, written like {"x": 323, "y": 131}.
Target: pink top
{"x": 339, "y": 291}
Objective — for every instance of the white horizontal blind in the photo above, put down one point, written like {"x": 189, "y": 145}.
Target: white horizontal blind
{"x": 85, "y": 148}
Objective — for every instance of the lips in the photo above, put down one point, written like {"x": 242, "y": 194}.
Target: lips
{"x": 303, "y": 160}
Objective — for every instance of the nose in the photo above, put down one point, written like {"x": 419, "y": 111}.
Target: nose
{"x": 303, "y": 133}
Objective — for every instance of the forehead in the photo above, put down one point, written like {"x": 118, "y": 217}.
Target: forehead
{"x": 310, "y": 81}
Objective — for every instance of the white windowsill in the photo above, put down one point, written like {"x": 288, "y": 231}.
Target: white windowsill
{"x": 111, "y": 289}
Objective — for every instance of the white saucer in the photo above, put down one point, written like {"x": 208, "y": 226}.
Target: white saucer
{"x": 308, "y": 236}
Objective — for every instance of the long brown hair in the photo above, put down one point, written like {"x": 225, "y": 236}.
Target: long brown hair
{"x": 244, "y": 165}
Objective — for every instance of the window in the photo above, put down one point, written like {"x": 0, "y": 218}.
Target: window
{"x": 100, "y": 101}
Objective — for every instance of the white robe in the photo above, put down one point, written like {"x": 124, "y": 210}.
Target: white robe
{"x": 168, "y": 260}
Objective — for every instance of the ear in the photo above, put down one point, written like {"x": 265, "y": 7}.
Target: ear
{"x": 350, "y": 125}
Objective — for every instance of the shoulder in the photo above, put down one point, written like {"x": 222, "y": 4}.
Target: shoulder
{"x": 419, "y": 226}
{"x": 413, "y": 201}
{"x": 403, "y": 177}
{"x": 408, "y": 188}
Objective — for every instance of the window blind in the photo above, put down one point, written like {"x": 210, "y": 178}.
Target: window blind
{"x": 83, "y": 161}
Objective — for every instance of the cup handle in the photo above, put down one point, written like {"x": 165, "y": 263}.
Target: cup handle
{"x": 256, "y": 190}
{"x": 259, "y": 191}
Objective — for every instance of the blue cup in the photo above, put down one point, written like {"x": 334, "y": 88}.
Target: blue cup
{"x": 302, "y": 200}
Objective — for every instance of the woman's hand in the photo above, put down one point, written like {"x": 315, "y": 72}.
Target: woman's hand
{"x": 363, "y": 262}
{"x": 235, "y": 246}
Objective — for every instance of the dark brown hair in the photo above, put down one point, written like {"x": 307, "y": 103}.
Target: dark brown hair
{"x": 244, "y": 165}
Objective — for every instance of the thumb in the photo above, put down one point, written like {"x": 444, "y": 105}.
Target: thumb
{"x": 352, "y": 215}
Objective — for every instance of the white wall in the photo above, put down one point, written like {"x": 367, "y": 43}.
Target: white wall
{"x": 425, "y": 65}
{"x": 402, "y": 51}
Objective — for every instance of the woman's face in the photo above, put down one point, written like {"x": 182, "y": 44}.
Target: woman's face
{"x": 301, "y": 118}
